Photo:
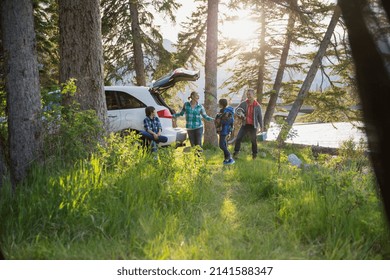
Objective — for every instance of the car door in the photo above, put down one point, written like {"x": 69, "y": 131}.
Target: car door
{"x": 178, "y": 75}
{"x": 124, "y": 111}
{"x": 113, "y": 111}
{"x": 168, "y": 81}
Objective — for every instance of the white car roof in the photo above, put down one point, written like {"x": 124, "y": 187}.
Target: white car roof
{"x": 130, "y": 89}
{"x": 139, "y": 92}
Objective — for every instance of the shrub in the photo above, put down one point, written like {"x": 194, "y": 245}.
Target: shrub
{"x": 71, "y": 134}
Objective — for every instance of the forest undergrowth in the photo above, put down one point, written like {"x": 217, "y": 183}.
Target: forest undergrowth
{"x": 122, "y": 203}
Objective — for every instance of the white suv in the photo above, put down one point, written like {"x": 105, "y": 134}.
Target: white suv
{"x": 126, "y": 105}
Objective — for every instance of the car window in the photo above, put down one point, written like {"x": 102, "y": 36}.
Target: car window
{"x": 129, "y": 102}
{"x": 120, "y": 100}
{"x": 112, "y": 101}
{"x": 158, "y": 99}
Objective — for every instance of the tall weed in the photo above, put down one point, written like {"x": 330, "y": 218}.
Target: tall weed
{"x": 338, "y": 210}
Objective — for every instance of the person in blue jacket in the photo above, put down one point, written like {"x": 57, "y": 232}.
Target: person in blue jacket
{"x": 224, "y": 125}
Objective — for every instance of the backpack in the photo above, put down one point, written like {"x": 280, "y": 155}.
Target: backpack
{"x": 224, "y": 121}
{"x": 218, "y": 123}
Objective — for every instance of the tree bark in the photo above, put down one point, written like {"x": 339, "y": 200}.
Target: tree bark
{"x": 3, "y": 162}
{"x": 261, "y": 69}
{"x": 211, "y": 71}
{"x": 282, "y": 66}
{"x": 311, "y": 74}
{"x": 22, "y": 87}
{"x": 371, "y": 67}
{"x": 81, "y": 53}
{"x": 137, "y": 44}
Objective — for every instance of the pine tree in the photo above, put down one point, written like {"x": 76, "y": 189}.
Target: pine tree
{"x": 132, "y": 41}
{"x": 22, "y": 87}
{"x": 211, "y": 70}
{"x": 81, "y": 54}
{"x": 190, "y": 45}
{"x": 274, "y": 94}
{"x": 137, "y": 44}
{"x": 311, "y": 73}
{"x": 47, "y": 34}
{"x": 254, "y": 67}
{"x": 293, "y": 51}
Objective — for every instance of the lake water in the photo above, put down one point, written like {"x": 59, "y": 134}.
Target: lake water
{"x": 322, "y": 134}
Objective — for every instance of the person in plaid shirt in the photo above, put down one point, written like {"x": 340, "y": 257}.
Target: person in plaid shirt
{"x": 194, "y": 113}
{"x": 153, "y": 128}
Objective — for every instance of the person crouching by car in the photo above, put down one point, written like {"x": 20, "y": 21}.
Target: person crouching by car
{"x": 153, "y": 129}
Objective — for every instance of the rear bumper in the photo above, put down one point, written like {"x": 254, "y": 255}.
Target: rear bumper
{"x": 175, "y": 135}
{"x": 181, "y": 135}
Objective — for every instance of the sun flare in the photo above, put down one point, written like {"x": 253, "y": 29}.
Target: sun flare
{"x": 241, "y": 29}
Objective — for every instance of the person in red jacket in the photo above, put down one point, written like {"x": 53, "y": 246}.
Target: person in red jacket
{"x": 250, "y": 112}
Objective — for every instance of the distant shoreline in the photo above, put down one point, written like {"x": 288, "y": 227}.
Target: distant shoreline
{"x": 326, "y": 135}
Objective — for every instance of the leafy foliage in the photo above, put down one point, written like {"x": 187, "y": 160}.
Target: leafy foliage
{"x": 70, "y": 132}
{"x": 118, "y": 41}
{"x": 333, "y": 105}
{"x": 190, "y": 45}
{"x": 47, "y": 36}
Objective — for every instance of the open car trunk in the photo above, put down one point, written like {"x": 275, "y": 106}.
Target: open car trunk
{"x": 168, "y": 81}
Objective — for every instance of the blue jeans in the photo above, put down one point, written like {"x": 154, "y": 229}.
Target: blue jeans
{"x": 252, "y": 136}
{"x": 223, "y": 146}
{"x": 195, "y": 136}
{"x": 154, "y": 142}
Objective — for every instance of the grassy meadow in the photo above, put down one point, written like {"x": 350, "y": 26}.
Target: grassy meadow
{"x": 121, "y": 203}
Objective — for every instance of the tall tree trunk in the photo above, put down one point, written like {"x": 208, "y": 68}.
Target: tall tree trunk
{"x": 211, "y": 71}
{"x": 137, "y": 44}
{"x": 22, "y": 86}
{"x": 282, "y": 66}
{"x": 260, "y": 72}
{"x": 373, "y": 80}
{"x": 81, "y": 53}
{"x": 3, "y": 162}
{"x": 311, "y": 74}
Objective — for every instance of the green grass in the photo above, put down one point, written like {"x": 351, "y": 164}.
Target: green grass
{"x": 123, "y": 204}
